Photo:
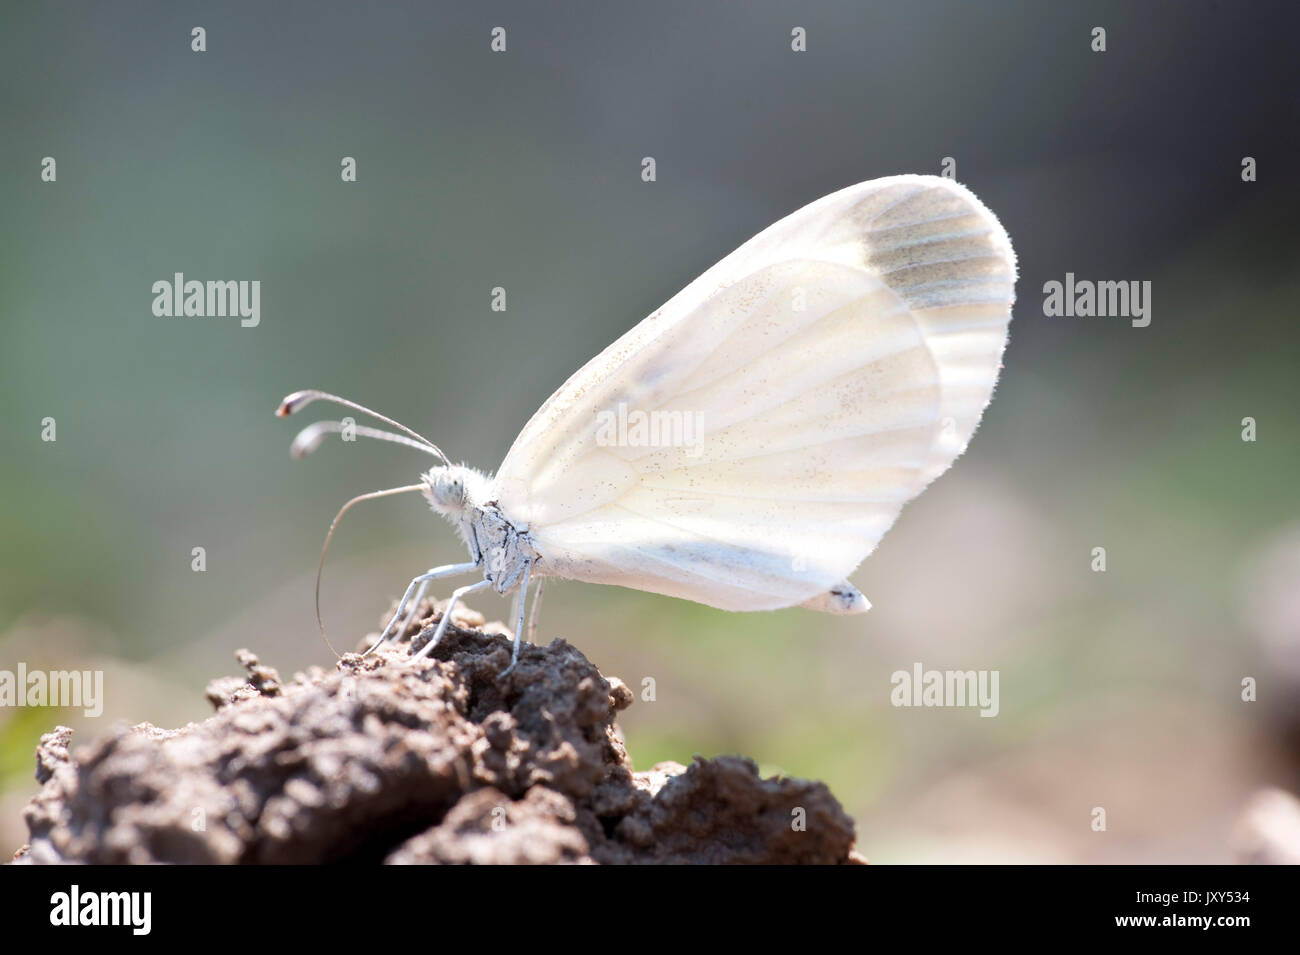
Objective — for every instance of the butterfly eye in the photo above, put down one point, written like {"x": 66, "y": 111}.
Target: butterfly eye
{"x": 449, "y": 490}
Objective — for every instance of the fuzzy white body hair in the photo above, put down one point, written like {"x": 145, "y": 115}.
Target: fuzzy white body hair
{"x": 462, "y": 495}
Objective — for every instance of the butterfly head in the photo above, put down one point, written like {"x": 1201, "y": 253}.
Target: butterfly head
{"x": 453, "y": 490}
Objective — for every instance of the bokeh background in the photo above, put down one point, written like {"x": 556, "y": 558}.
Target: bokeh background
{"x": 522, "y": 170}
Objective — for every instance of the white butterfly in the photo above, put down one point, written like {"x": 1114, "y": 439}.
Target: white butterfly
{"x": 748, "y": 444}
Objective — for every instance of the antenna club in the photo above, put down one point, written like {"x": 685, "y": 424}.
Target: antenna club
{"x": 292, "y": 403}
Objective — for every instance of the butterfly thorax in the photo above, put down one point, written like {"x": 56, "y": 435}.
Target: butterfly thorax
{"x": 460, "y": 494}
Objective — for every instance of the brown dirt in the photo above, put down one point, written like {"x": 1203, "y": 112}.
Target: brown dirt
{"x": 377, "y": 761}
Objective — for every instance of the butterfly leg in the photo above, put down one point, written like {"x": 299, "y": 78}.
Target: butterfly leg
{"x": 422, "y": 582}
{"x": 532, "y": 617}
{"x": 447, "y": 571}
{"x": 519, "y": 620}
{"x": 456, "y": 596}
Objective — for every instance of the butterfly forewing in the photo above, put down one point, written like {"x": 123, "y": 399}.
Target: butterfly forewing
{"x": 748, "y": 444}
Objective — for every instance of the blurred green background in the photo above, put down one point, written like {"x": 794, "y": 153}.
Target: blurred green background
{"x": 522, "y": 170}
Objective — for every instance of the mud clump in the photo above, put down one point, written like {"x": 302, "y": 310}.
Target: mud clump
{"x": 378, "y": 761}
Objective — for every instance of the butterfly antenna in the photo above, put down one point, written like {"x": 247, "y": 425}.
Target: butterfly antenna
{"x": 310, "y": 437}
{"x": 325, "y": 549}
{"x": 301, "y": 399}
